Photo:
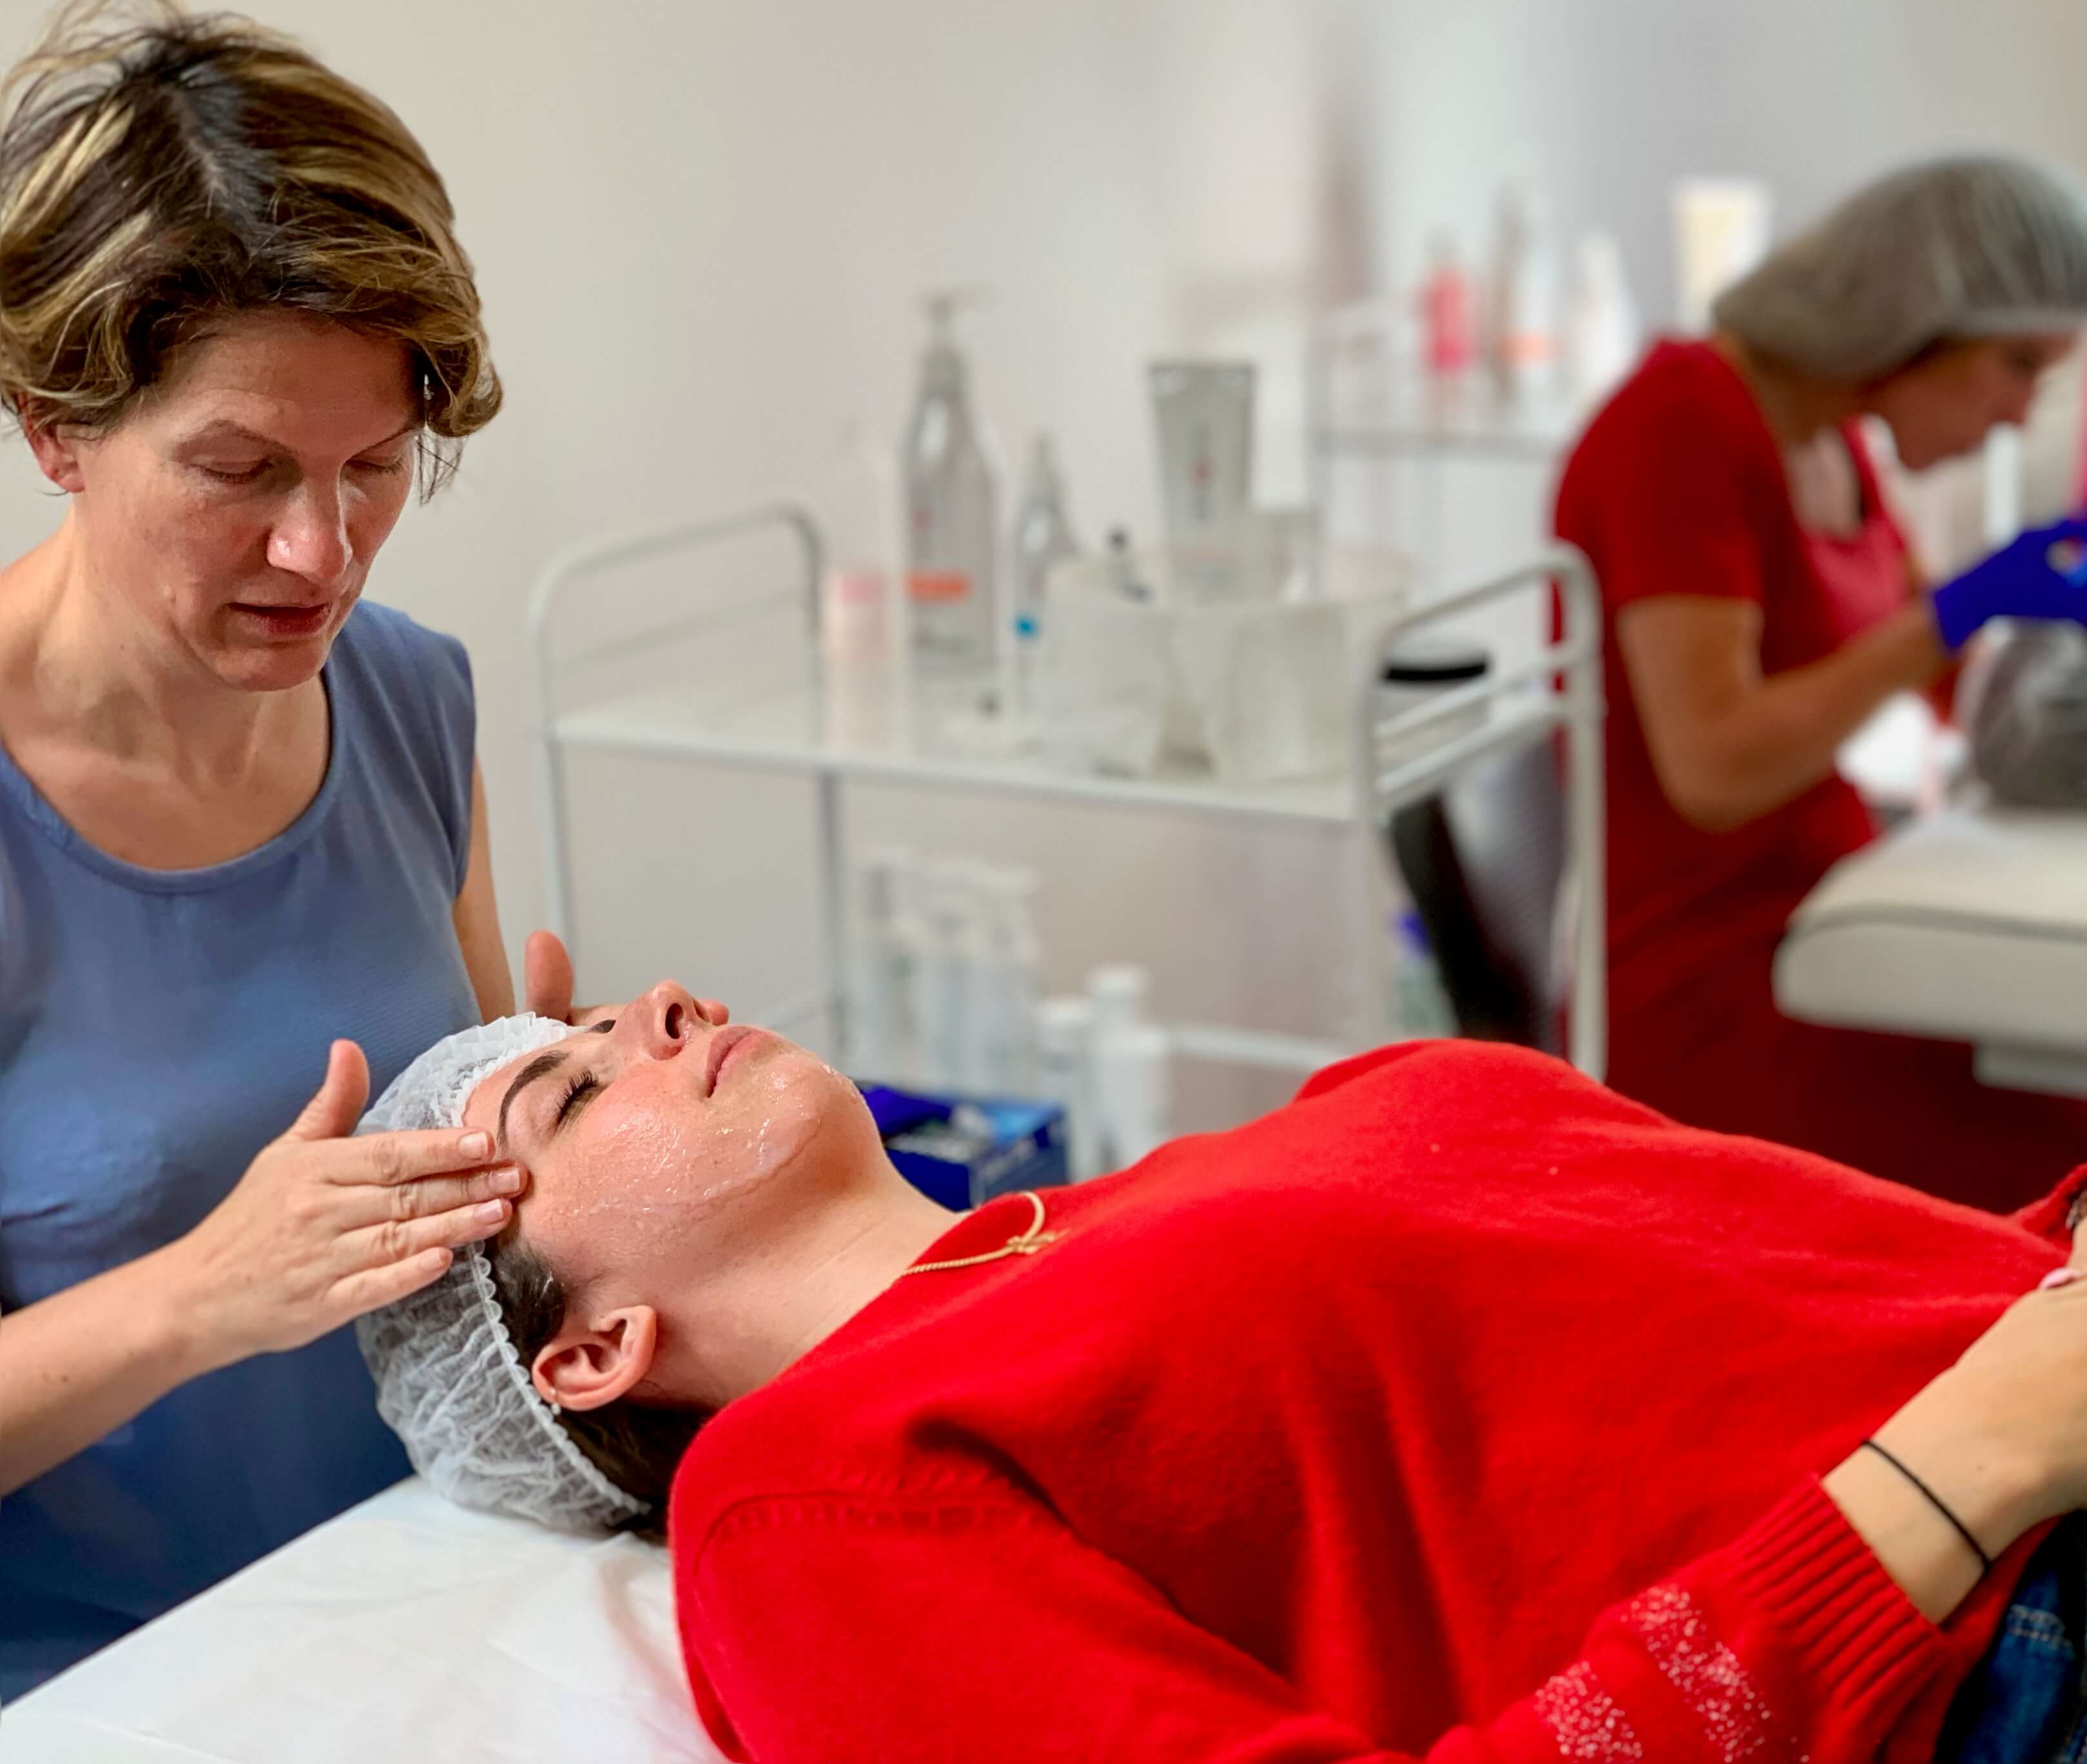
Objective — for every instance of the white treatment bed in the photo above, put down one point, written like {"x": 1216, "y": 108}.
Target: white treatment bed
{"x": 1970, "y": 925}
{"x": 405, "y": 1630}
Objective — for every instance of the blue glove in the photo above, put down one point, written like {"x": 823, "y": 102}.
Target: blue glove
{"x": 2020, "y": 580}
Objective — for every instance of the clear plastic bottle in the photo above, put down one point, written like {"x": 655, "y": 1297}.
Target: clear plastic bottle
{"x": 1522, "y": 293}
{"x": 1006, "y": 979}
{"x": 1064, "y": 1075}
{"x": 1449, "y": 313}
{"x": 1136, "y": 1091}
{"x": 944, "y": 939}
{"x": 1602, "y": 332}
{"x": 951, "y": 522}
{"x": 1043, "y": 537}
{"x": 884, "y": 1042}
{"x": 1128, "y": 1072}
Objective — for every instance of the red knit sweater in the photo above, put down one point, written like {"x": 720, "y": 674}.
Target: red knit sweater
{"x": 1459, "y": 1408}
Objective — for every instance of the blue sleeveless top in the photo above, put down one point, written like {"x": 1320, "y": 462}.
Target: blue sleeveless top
{"x": 157, "y": 1028}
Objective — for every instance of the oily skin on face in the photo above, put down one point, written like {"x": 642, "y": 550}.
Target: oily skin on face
{"x": 633, "y": 1155}
{"x": 714, "y": 1201}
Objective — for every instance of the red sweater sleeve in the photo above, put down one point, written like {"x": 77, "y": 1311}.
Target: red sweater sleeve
{"x": 2046, "y": 1218}
{"x": 843, "y": 1627}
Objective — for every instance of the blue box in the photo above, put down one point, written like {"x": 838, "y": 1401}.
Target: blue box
{"x": 962, "y": 1151}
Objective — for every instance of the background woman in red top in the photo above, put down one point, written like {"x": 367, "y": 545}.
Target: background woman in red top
{"x": 1761, "y": 605}
{"x": 1459, "y": 1408}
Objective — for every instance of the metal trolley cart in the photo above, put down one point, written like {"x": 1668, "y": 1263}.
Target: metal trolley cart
{"x": 791, "y": 730}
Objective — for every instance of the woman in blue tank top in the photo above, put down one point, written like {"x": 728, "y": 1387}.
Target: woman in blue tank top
{"x": 242, "y": 837}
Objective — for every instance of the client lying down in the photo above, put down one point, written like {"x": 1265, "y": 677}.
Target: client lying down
{"x": 1458, "y": 1408}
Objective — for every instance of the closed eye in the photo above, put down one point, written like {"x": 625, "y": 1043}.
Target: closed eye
{"x": 578, "y": 1090}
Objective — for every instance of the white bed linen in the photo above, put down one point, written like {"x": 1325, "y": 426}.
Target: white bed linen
{"x": 407, "y": 1631}
{"x": 1968, "y": 925}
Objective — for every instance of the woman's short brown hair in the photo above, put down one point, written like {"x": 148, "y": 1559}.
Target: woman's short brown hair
{"x": 156, "y": 175}
{"x": 636, "y": 1447}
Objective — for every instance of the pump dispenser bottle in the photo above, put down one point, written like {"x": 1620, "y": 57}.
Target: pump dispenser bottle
{"x": 950, "y": 520}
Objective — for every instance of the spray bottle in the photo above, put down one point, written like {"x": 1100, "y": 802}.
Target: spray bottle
{"x": 950, "y": 521}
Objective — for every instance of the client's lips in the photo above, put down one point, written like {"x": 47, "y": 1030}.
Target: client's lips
{"x": 724, "y": 1044}
{"x": 287, "y": 621}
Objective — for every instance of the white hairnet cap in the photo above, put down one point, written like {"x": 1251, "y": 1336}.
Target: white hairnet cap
{"x": 1959, "y": 248}
{"x": 449, "y": 1380}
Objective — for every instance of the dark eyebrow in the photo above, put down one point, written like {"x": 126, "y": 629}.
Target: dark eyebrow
{"x": 542, "y": 1067}
{"x": 225, "y": 429}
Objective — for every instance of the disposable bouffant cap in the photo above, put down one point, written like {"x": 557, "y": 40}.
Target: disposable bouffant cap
{"x": 1959, "y": 248}
{"x": 449, "y": 1383}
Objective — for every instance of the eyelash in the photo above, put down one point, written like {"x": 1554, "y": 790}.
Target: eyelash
{"x": 389, "y": 469}
{"x": 579, "y": 1086}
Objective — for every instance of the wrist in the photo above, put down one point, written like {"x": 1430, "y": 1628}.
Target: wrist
{"x": 1995, "y": 1490}
{"x": 185, "y": 1327}
{"x": 1929, "y": 649}
{"x": 1916, "y": 1545}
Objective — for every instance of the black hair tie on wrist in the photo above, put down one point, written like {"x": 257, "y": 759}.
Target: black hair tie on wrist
{"x": 1936, "y": 1501}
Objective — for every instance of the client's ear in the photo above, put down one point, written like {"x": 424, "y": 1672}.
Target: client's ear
{"x": 587, "y": 1365}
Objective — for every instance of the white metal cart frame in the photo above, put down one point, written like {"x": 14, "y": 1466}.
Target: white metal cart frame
{"x": 1557, "y": 692}
{"x": 596, "y": 556}
{"x": 792, "y": 733}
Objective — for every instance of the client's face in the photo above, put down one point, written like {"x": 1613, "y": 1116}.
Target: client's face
{"x": 638, "y": 1132}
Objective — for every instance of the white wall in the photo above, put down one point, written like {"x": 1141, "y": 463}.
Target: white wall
{"x": 1609, "y": 101}
{"x": 700, "y": 226}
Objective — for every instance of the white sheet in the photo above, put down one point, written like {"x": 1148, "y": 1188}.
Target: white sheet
{"x": 404, "y": 1632}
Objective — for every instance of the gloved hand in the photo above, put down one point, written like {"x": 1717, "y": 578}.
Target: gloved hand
{"x": 2019, "y": 580}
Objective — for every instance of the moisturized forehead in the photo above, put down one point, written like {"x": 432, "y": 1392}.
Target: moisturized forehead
{"x": 481, "y": 1108}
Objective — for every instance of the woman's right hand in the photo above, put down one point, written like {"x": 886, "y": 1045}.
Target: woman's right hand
{"x": 324, "y": 1227}
{"x": 2000, "y": 1439}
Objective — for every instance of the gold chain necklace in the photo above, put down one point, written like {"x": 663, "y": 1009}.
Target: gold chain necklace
{"x": 1025, "y": 1242}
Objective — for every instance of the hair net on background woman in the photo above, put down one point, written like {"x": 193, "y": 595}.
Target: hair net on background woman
{"x": 449, "y": 1380}
{"x": 1956, "y": 248}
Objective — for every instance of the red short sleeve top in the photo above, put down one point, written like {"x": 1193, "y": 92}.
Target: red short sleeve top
{"x": 1678, "y": 487}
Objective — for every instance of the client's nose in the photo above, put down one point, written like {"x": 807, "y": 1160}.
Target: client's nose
{"x": 667, "y": 1019}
